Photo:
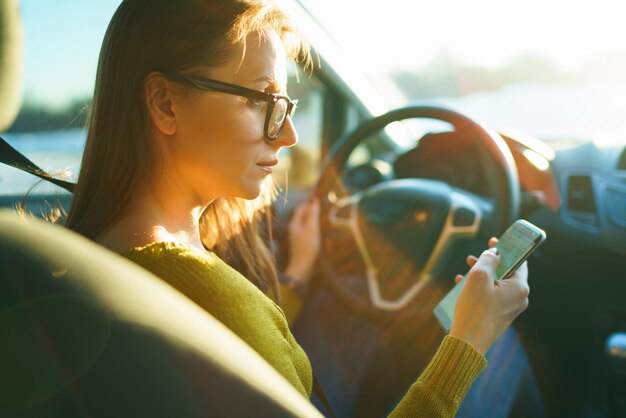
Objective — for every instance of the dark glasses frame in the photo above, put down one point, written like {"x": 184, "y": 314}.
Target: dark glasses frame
{"x": 270, "y": 98}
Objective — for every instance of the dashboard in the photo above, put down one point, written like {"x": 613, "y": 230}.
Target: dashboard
{"x": 581, "y": 186}
{"x": 592, "y": 180}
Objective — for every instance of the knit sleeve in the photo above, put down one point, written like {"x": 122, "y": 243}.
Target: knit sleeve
{"x": 438, "y": 392}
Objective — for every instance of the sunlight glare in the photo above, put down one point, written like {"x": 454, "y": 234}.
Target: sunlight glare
{"x": 536, "y": 160}
{"x": 487, "y": 33}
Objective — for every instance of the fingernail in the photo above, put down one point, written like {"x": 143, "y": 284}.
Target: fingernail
{"x": 494, "y": 251}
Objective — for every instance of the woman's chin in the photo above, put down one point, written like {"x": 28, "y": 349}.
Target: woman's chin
{"x": 251, "y": 193}
{"x": 250, "y": 190}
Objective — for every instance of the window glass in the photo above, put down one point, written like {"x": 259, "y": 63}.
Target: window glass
{"x": 61, "y": 43}
{"x": 298, "y": 168}
{"x": 553, "y": 69}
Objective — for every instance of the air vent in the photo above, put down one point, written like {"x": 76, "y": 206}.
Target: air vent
{"x": 580, "y": 194}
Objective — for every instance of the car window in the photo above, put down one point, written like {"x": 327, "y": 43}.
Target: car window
{"x": 555, "y": 70}
{"x": 299, "y": 165}
{"x": 61, "y": 43}
{"x": 57, "y": 152}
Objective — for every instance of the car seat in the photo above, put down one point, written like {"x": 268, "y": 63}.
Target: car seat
{"x": 85, "y": 332}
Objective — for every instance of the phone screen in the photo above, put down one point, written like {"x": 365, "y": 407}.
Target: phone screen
{"x": 514, "y": 246}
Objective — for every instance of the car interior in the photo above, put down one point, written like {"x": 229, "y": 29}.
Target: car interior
{"x": 87, "y": 333}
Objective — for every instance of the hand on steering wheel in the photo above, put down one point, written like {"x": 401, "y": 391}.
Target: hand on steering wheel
{"x": 304, "y": 240}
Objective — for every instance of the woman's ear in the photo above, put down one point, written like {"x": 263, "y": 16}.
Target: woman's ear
{"x": 158, "y": 100}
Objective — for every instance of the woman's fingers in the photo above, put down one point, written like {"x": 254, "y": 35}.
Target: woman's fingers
{"x": 304, "y": 239}
{"x": 520, "y": 280}
{"x": 471, "y": 260}
{"x": 310, "y": 207}
{"x": 314, "y": 209}
{"x": 521, "y": 274}
{"x": 307, "y": 211}
{"x": 485, "y": 266}
{"x": 458, "y": 278}
{"x": 298, "y": 213}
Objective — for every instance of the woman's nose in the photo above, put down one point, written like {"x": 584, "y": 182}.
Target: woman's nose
{"x": 288, "y": 137}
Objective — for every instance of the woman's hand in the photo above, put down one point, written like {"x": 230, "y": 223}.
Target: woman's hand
{"x": 486, "y": 307}
{"x": 304, "y": 240}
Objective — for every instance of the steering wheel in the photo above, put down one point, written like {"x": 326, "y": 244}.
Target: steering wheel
{"x": 414, "y": 220}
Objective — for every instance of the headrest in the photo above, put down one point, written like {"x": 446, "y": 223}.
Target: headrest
{"x": 11, "y": 53}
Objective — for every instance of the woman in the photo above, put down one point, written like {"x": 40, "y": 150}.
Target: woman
{"x": 182, "y": 139}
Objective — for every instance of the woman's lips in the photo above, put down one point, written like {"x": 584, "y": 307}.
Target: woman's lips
{"x": 267, "y": 165}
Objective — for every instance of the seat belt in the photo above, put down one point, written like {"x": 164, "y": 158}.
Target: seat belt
{"x": 12, "y": 157}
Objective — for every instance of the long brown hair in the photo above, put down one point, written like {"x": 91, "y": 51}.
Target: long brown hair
{"x": 168, "y": 36}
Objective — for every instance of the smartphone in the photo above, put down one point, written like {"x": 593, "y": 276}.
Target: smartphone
{"x": 514, "y": 246}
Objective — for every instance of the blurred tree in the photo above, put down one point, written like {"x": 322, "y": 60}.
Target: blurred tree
{"x": 444, "y": 77}
{"x": 37, "y": 117}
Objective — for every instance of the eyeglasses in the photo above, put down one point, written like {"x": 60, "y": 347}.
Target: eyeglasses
{"x": 278, "y": 106}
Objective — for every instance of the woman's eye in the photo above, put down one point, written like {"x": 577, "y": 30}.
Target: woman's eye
{"x": 254, "y": 102}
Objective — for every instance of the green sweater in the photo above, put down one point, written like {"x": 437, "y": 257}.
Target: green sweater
{"x": 223, "y": 292}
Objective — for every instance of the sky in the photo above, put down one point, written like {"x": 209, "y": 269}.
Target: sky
{"x": 62, "y": 40}
{"x": 63, "y": 37}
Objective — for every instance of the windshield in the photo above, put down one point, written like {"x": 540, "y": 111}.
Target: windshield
{"x": 553, "y": 69}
